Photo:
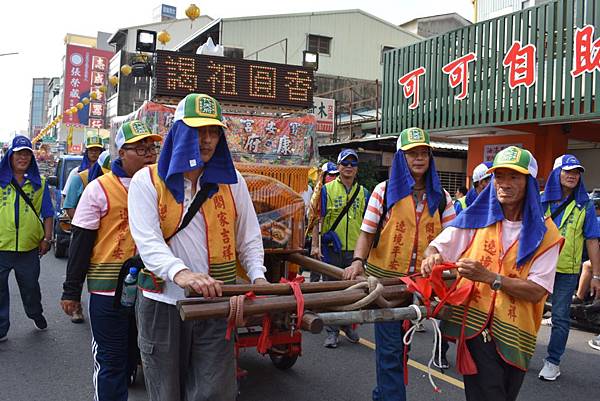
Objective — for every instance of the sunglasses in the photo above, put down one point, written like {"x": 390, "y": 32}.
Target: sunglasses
{"x": 347, "y": 163}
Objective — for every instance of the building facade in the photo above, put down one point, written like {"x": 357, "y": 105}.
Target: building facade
{"x": 434, "y": 25}
{"x": 488, "y": 9}
{"x": 529, "y": 78}
{"x": 38, "y": 106}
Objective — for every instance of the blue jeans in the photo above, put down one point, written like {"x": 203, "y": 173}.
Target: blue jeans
{"x": 112, "y": 348}
{"x": 389, "y": 361}
{"x": 27, "y": 273}
{"x": 564, "y": 288}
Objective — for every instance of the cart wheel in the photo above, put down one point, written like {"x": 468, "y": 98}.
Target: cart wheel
{"x": 283, "y": 362}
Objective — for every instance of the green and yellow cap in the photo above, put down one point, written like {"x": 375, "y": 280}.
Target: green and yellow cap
{"x": 411, "y": 138}
{"x": 133, "y": 131}
{"x": 517, "y": 159}
{"x": 199, "y": 110}
{"x": 93, "y": 141}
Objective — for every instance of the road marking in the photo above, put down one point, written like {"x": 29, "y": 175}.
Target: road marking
{"x": 420, "y": 366}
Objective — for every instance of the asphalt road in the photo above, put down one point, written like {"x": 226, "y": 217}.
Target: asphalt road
{"x": 56, "y": 365}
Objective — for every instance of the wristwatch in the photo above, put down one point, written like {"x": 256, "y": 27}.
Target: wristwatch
{"x": 497, "y": 283}
{"x": 362, "y": 261}
{"x": 49, "y": 241}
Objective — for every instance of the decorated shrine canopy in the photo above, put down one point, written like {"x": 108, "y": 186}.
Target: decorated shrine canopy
{"x": 234, "y": 80}
{"x": 289, "y": 140}
{"x": 538, "y": 65}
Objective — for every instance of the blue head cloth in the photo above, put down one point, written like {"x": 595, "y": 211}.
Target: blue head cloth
{"x": 401, "y": 183}
{"x": 96, "y": 169}
{"x": 486, "y": 210}
{"x": 181, "y": 153}
{"x": 553, "y": 189}
{"x": 85, "y": 162}
{"x": 471, "y": 196}
{"x": 116, "y": 166}
{"x": 19, "y": 142}
{"x": 480, "y": 173}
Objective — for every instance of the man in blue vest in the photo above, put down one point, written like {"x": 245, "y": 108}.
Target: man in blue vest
{"x": 567, "y": 202}
{"x": 25, "y": 230}
{"x": 340, "y": 226}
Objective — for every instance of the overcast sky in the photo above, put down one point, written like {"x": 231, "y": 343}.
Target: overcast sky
{"x": 36, "y": 31}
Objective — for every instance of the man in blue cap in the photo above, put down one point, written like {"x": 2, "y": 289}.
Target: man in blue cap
{"x": 505, "y": 253}
{"x": 191, "y": 360}
{"x": 343, "y": 205}
{"x": 566, "y": 201}
{"x": 25, "y": 230}
{"x": 481, "y": 178}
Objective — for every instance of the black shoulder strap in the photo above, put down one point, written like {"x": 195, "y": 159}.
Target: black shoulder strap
{"x": 26, "y": 199}
{"x": 346, "y": 208}
{"x": 381, "y": 218}
{"x": 199, "y": 199}
{"x": 564, "y": 205}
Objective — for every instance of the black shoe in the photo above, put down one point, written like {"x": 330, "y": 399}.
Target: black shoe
{"x": 443, "y": 365}
{"x": 576, "y": 300}
{"x": 40, "y": 323}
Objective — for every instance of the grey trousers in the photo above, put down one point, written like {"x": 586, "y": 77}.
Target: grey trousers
{"x": 184, "y": 361}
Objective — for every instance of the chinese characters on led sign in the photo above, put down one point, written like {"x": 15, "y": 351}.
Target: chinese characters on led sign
{"x": 520, "y": 61}
{"x": 233, "y": 79}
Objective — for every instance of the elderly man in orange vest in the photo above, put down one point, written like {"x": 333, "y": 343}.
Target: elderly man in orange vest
{"x": 191, "y": 360}
{"x": 506, "y": 253}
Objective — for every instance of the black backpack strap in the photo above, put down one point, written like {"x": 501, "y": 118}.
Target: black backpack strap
{"x": 563, "y": 206}
{"x": 199, "y": 199}
{"x": 346, "y": 208}
{"x": 23, "y": 195}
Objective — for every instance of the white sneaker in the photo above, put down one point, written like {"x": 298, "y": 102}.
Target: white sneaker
{"x": 549, "y": 372}
{"x": 594, "y": 343}
{"x": 547, "y": 322}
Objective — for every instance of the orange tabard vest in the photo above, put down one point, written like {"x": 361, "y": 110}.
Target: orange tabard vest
{"x": 513, "y": 323}
{"x": 84, "y": 175}
{"x": 114, "y": 244}
{"x": 219, "y": 218}
{"x": 400, "y": 236}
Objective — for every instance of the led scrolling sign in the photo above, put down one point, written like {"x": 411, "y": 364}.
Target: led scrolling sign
{"x": 244, "y": 81}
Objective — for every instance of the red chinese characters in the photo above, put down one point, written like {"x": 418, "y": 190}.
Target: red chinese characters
{"x": 410, "y": 86}
{"x": 520, "y": 61}
{"x": 458, "y": 71}
{"x": 586, "y": 56}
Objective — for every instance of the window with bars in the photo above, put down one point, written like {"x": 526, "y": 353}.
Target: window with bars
{"x": 451, "y": 180}
{"x": 319, "y": 44}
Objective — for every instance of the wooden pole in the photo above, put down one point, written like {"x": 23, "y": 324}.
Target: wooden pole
{"x": 285, "y": 289}
{"x": 286, "y": 303}
{"x": 376, "y": 315}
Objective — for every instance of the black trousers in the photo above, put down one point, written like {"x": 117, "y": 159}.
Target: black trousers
{"x": 496, "y": 380}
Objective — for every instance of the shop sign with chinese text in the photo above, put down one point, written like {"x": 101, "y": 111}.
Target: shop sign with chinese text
{"x": 235, "y": 80}
{"x": 324, "y": 111}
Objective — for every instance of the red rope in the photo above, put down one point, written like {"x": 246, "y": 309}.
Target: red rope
{"x": 295, "y": 285}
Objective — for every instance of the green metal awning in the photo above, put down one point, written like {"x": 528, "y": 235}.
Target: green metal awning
{"x": 539, "y": 65}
